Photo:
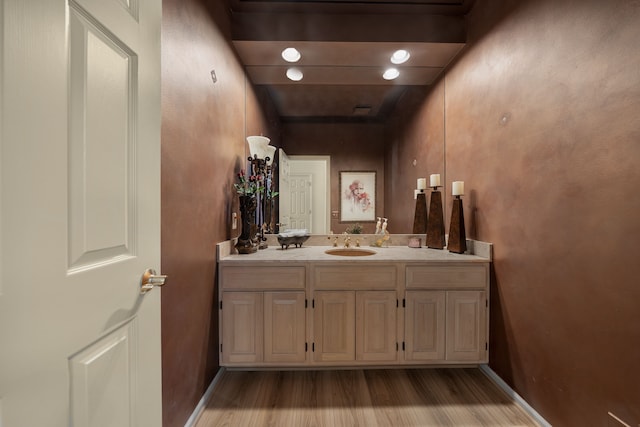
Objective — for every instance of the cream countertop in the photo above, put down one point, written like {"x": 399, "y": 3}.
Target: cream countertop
{"x": 317, "y": 254}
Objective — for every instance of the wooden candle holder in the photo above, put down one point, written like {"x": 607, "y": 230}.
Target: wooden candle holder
{"x": 435, "y": 223}
{"x": 420, "y": 216}
{"x": 457, "y": 234}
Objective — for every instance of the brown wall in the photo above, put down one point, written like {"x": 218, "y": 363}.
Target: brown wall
{"x": 352, "y": 147}
{"x": 203, "y": 147}
{"x": 542, "y": 123}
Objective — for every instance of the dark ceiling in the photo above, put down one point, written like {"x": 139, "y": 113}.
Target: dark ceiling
{"x": 345, "y": 45}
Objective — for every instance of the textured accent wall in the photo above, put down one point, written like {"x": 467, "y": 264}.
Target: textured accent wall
{"x": 542, "y": 123}
{"x": 352, "y": 147}
{"x": 203, "y": 147}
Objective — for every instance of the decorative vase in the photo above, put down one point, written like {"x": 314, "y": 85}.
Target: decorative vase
{"x": 246, "y": 243}
{"x": 435, "y": 222}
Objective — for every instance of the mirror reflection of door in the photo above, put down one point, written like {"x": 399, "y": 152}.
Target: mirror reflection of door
{"x": 318, "y": 195}
{"x": 283, "y": 190}
{"x": 301, "y": 202}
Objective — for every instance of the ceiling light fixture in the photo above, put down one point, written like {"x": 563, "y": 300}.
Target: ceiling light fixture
{"x": 400, "y": 56}
{"x": 390, "y": 74}
{"x": 291, "y": 54}
{"x": 294, "y": 74}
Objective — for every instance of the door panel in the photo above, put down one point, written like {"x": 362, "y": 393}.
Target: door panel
{"x": 284, "y": 327}
{"x": 376, "y": 324}
{"x": 425, "y": 325}
{"x": 334, "y": 324}
{"x": 102, "y": 122}
{"x": 242, "y": 330}
{"x": 283, "y": 187}
{"x": 466, "y": 328}
{"x": 103, "y": 377}
{"x": 300, "y": 197}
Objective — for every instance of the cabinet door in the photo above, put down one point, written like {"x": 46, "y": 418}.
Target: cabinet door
{"x": 242, "y": 331}
{"x": 284, "y": 327}
{"x": 425, "y": 325}
{"x": 334, "y": 325}
{"x": 376, "y": 326}
{"x": 466, "y": 326}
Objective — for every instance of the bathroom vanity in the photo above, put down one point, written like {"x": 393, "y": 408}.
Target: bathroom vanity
{"x": 401, "y": 306}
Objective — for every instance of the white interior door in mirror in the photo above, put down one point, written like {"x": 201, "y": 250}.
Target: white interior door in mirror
{"x": 300, "y": 197}
{"x": 319, "y": 197}
{"x": 284, "y": 196}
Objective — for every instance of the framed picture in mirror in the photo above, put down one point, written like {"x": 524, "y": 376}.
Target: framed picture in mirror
{"x": 357, "y": 196}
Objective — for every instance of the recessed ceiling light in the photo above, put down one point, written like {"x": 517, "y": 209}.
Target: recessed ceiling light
{"x": 291, "y": 54}
{"x": 294, "y": 74}
{"x": 390, "y": 74}
{"x": 400, "y": 56}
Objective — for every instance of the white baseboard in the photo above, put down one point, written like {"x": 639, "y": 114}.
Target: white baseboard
{"x": 512, "y": 394}
{"x": 191, "y": 422}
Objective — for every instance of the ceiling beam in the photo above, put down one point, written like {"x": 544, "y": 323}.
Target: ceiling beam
{"x": 348, "y": 27}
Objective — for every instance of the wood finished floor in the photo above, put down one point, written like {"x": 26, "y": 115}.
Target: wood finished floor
{"x": 368, "y": 398}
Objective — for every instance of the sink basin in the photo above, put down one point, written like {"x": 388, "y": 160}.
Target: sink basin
{"x": 350, "y": 252}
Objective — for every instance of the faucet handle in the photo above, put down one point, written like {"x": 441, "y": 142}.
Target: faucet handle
{"x": 357, "y": 243}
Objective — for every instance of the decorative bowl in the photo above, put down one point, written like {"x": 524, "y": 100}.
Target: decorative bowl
{"x": 286, "y": 241}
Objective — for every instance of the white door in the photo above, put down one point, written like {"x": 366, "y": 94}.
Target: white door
{"x": 283, "y": 189}
{"x": 318, "y": 167}
{"x": 300, "y": 197}
{"x": 80, "y": 212}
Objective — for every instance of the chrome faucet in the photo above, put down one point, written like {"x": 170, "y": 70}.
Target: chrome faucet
{"x": 347, "y": 241}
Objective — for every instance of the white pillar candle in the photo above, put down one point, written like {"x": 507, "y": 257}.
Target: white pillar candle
{"x": 434, "y": 180}
{"x": 422, "y": 183}
{"x": 457, "y": 188}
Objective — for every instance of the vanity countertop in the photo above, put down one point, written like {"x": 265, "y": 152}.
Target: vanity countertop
{"x": 386, "y": 254}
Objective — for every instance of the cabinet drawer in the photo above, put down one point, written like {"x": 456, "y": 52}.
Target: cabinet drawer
{"x": 447, "y": 276}
{"x": 262, "y": 277}
{"x": 355, "y": 277}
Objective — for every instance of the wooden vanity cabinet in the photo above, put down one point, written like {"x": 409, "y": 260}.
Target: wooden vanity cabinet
{"x": 263, "y": 316}
{"x": 359, "y": 325}
{"x": 355, "y": 326}
{"x": 309, "y": 314}
{"x": 446, "y": 313}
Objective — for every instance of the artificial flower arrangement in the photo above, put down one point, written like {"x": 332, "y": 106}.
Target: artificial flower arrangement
{"x": 249, "y": 186}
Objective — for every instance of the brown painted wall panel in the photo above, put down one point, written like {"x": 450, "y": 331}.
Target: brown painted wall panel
{"x": 203, "y": 147}
{"x": 542, "y": 125}
{"x": 352, "y": 147}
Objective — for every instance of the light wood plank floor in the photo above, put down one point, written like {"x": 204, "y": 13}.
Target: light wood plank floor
{"x": 368, "y": 398}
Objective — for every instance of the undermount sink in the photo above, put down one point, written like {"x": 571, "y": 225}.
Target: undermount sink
{"x": 349, "y": 252}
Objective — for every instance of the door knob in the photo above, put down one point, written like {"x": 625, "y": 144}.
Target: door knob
{"x": 151, "y": 279}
